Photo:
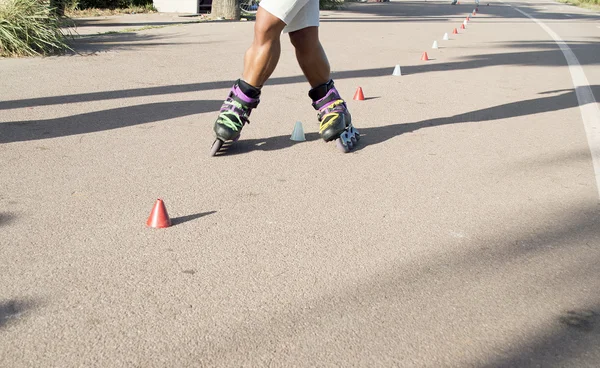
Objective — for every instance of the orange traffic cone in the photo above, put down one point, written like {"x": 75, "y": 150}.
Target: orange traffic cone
{"x": 159, "y": 218}
{"x": 455, "y": 31}
{"x": 424, "y": 57}
{"x": 462, "y": 26}
{"x": 359, "y": 96}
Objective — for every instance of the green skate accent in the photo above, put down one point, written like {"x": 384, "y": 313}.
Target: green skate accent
{"x": 235, "y": 125}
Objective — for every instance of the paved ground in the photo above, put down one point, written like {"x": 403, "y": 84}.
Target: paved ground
{"x": 464, "y": 232}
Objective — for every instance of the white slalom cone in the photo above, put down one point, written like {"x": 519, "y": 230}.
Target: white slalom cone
{"x": 435, "y": 45}
{"x": 465, "y": 22}
{"x": 397, "y": 72}
{"x": 298, "y": 133}
{"x": 446, "y": 38}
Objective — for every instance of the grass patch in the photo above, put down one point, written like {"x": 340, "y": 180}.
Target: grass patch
{"x": 588, "y": 4}
{"x": 95, "y": 12}
{"x": 330, "y": 4}
{"x": 30, "y": 28}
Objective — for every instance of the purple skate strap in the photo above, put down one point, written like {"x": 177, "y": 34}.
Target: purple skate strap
{"x": 241, "y": 97}
{"x": 331, "y": 96}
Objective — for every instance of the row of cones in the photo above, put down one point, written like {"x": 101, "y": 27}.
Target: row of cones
{"x": 435, "y": 46}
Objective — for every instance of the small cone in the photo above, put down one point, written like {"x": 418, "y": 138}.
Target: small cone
{"x": 462, "y": 26}
{"x": 474, "y": 12}
{"x": 435, "y": 45}
{"x": 397, "y": 72}
{"x": 298, "y": 133}
{"x": 446, "y": 38}
{"x": 359, "y": 96}
{"x": 468, "y": 18}
{"x": 159, "y": 218}
{"x": 424, "y": 57}
{"x": 455, "y": 31}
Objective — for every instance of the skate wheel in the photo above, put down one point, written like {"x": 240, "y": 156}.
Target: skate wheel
{"x": 341, "y": 146}
{"x": 216, "y": 146}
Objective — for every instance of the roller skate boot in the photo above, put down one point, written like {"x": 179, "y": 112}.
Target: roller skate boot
{"x": 334, "y": 118}
{"x": 234, "y": 114}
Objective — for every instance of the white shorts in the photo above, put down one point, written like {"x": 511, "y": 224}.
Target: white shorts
{"x": 296, "y": 14}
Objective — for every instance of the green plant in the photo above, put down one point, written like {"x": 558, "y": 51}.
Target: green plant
{"x": 330, "y": 4}
{"x": 30, "y": 27}
{"x": 114, "y": 4}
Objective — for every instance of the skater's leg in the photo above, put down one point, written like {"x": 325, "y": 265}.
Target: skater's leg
{"x": 261, "y": 58}
{"x": 311, "y": 56}
{"x": 259, "y": 62}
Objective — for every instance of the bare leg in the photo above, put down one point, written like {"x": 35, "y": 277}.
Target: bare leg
{"x": 262, "y": 56}
{"x": 311, "y": 56}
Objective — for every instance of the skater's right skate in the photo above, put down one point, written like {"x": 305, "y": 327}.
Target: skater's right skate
{"x": 334, "y": 118}
{"x": 234, "y": 114}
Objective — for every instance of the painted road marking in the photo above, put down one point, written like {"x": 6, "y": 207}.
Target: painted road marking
{"x": 588, "y": 107}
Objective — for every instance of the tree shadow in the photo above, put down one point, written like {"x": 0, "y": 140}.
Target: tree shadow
{"x": 13, "y": 309}
{"x": 6, "y": 218}
{"x": 445, "y": 278}
{"x": 181, "y": 219}
{"x": 575, "y": 333}
{"x": 120, "y": 41}
{"x": 548, "y": 54}
{"x": 552, "y": 101}
{"x": 423, "y": 11}
{"x": 103, "y": 120}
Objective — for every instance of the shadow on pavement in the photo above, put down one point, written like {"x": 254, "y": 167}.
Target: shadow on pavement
{"x": 548, "y": 55}
{"x": 496, "y": 268}
{"x": 415, "y": 11}
{"x": 12, "y": 310}
{"x": 103, "y": 120}
{"x": 575, "y": 334}
{"x": 141, "y": 114}
{"x": 182, "y": 219}
{"x": 120, "y": 41}
{"x": 553, "y": 101}
{"x": 6, "y": 218}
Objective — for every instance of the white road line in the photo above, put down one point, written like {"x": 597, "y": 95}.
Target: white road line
{"x": 567, "y": 15}
{"x": 588, "y": 107}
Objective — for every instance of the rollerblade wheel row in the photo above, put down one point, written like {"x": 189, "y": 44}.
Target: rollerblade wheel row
{"x": 216, "y": 147}
{"x": 348, "y": 139}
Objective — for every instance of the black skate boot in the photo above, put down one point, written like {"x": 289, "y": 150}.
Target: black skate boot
{"x": 234, "y": 114}
{"x": 334, "y": 117}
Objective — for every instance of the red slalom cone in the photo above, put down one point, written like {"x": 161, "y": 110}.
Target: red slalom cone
{"x": 468, "y": 18}
{"x": 359, "y": 96}
{"x": 424, "y": 57}
{"x": 455, "y": 31}
{"x": 462, "y": 26}
{"x": 159, "y": 218}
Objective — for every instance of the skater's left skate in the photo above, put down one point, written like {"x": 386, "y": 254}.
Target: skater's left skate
{"x": 334, "y": 118}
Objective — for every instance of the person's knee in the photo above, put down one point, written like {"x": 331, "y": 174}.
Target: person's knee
{"x": 305, "y": 39}
{"x": 267, "y": 28}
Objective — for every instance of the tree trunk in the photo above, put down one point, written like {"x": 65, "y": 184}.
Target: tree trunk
{"x": 228, "y": 9}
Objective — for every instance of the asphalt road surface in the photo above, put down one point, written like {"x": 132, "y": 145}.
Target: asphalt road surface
{"x": 463, "y": 232}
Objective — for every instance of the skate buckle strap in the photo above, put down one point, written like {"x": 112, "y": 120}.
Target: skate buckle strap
{"x": 336, "y": 107}
{"x": 331, "y": 97}
{"x": 239, "y": 96}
